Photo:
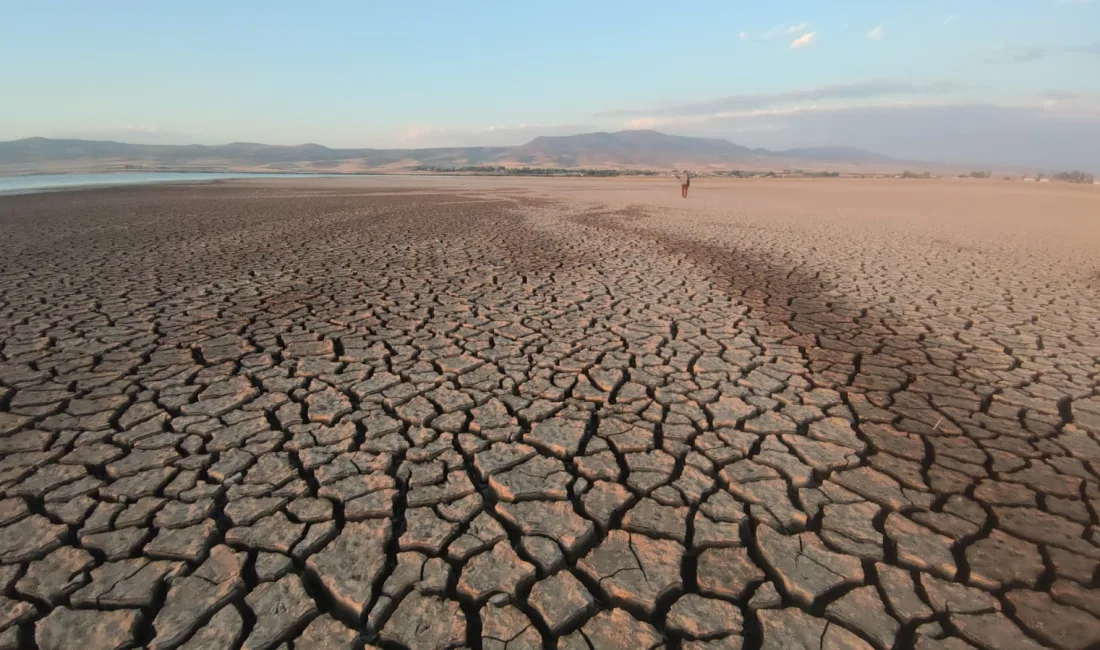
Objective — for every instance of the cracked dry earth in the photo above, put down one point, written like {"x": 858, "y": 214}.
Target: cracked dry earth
{"x": 490, "y": 414}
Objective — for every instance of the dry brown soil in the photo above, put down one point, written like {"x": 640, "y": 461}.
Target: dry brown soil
{"x": 504, "y": 413}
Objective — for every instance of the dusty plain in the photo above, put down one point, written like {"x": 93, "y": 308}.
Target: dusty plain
{"x": 502, "y": 413}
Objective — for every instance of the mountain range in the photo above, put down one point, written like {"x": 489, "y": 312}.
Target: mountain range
{"x": 622, "y": 150}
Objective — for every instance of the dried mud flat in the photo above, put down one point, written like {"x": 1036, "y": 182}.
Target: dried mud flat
{"x": 500, "y": 414}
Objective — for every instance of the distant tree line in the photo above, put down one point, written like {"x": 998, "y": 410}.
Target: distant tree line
{"x": 1075, "y": 177}
{"x": 738, "y": 173}
{"x": 531, "y": 171}
{"x": 1069, "y": 177}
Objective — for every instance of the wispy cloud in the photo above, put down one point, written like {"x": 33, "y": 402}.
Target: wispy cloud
{"x": 877, "y": 33}
{"x": 416, "y": 132}
{"x": 1071, "y": 101}
{"x": 806, "y": 40}
{"x": 132, "y": 133}
{"x": 1061, "y": 96}
{"x": 1017, "y": 54}
{"x": 776, "y": 32}
{"x": 772, "y": 113}
{"x": 1094, "y": 49}
{"x": 1028, "y": 53}
{"x": 875, "y": 88}
{"x": 951, "y": 20}
{"x": 425, "y": 135}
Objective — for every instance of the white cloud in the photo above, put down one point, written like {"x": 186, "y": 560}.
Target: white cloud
{"x": 806, "y": 40}
{"x": 877, "y": 33}
{"x": 744, "y": 36}
{"x": 950, "y": 20}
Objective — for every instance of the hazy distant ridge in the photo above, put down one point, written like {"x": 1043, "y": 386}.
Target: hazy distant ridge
{"x": 625, "y": 149}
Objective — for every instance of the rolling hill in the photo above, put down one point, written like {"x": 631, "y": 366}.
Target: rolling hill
{"x": 624, "y": 150}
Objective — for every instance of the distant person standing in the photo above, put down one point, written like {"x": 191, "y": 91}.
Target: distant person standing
{"x": 685, "y": 183}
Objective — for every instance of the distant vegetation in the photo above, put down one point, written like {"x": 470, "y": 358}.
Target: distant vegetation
{"x": 501, "y": 170}
{"x": 560, "y": 171}
{"x": 531, "y": 171}
{"x": 737, "y": 173}
{"x": 1075, "y": 177}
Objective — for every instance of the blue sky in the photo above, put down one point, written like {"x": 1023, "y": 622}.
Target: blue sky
{"x": 927, "y": 80}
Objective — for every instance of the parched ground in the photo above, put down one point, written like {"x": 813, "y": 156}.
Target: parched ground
{"x": 510, "y": 414}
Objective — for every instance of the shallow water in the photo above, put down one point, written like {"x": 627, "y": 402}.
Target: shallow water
{"x": 45, "y": 182}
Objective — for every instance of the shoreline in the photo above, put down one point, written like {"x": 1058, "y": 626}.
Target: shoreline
{"x": 11, "y": 185}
